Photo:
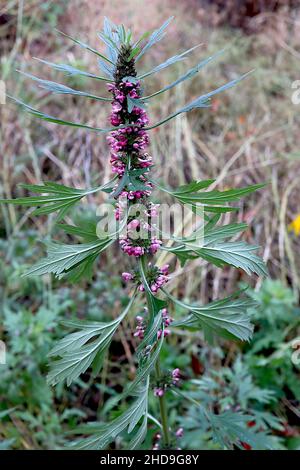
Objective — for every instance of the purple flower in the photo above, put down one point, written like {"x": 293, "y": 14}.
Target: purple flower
{"x": 127, "y": 276}
{"x": 175, "y": 376}
{"x": 179, "y": 432}
{"x": 159, "y": 392}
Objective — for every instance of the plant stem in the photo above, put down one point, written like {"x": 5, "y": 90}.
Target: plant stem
{"x": 162, "y": 400}
{"x": 163, "y": 410}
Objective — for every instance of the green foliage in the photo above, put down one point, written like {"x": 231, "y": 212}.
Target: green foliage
{"x": 277, "y": 322}
{"x": 105, "y": 434}
{"x": 72, "y": 71}
{"x": 59, "y": 89}
{"x": 63, "y": 258}
{"x": 79, "y": 350}
{"x": 56, "y": 198}
{"x": 224, "y": 317}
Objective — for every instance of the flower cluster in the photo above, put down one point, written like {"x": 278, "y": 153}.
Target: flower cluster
{"x": 128, "y": 146}
{"x": 130, "y": 140}
{"x": 140, "y": 328}
{"x": 157, "y": 278}
{"x": 167, "y": 382}
{"x": 167, "y": 320}
{"x": 157, "y": 439}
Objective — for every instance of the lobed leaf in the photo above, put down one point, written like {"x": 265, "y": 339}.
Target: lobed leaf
{"x": 227, "y": 317}
{"x": 62, "y": 258}
{"x": 104, "y": 434}
{"x": 78, "y": 350}
{"x": 56, "y": 197}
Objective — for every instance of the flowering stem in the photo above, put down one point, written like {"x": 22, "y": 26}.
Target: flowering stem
{"x": 162, "y": 400}
{"x": 163, "y": 410}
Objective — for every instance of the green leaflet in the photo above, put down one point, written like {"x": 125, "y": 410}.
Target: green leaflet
{"x": 73, "y": 71}
{"x": 131, "y": 180}
{"x": 217, "y": 197}
{"x": 185, "y": 188}
{"x": 155, "y": 304}
{"x": 237, "y": 254}
{"x": 62, "y": 258}
{"x": 214, "y": 234}
{"x": 147, "y": 365}
{"x": 5, "y": 413}
{"x": 55, "y": 197}
{"x": 60, "y": 89}
{"x": 86, "y": 46}
{"x": 48, "y": 118}
{"x": 87, "y": 232}
{"x": 150, "y": 333}
{"x": 110, "y": 39}
{"x": 103, "y": 434}
{"x": 132, "y": 102}
{"x": 200, "y": 102}
{"x": 155, "y": 37}
{"x": 78, "y": 350}
{"x": 231, "y": 428}
{"x": 211, "y": 201}
{"x": 226, "y": 317}
{"x": 167, "y": 63}
{"x": 210, "y": 234}
{"x": 191, "y": 73}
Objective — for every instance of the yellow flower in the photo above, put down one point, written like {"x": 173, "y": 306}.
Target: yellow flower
{"x": 295, "y": 225}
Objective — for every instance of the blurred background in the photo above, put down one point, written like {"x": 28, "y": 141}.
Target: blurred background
{"x": 249, "y": 135}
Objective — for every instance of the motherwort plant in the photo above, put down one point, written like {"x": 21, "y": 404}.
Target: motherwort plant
{"x": 140, "y": 238}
